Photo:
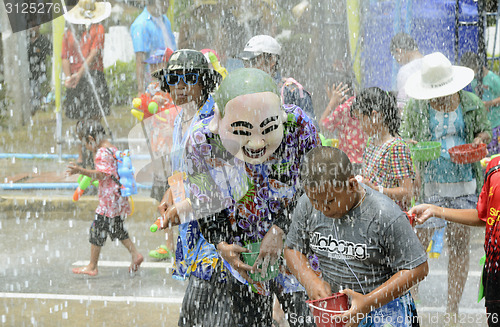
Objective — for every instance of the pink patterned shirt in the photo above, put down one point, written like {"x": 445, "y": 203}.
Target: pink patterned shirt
{"x": 352, "y": 139}
{"x": 111, "y": 203}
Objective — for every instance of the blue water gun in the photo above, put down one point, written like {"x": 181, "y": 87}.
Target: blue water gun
{"x": 126, "y": 173}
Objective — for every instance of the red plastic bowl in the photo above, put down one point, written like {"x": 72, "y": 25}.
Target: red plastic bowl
{"x": 467, "y": 153}
{"x": 325, "y": 310}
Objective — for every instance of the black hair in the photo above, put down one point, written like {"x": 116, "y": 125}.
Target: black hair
{"x": 403, "y": 41}
{"x": 208, "y": 79}
{"x": 471, "y": 60}
{"x": 383, "y": 102}
{"x": 325, "y": 164}
{"x": 87, "y": 128}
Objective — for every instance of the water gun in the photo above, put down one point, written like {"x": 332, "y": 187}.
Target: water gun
{"x": 83, "y": 182}
{"x": 145, "y": 107}
{"x": 126, "y": 173}
{"x": 216, "y": 64}
{"x": 156, "y": 225}
{"x": 486, "y": 161}
{"x": 436, "y": 244}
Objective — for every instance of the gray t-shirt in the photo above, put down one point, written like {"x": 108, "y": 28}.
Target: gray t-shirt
{"x": 375, "y": 240}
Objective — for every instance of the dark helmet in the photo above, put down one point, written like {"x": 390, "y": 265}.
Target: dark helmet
{"x": 189, "y": 60}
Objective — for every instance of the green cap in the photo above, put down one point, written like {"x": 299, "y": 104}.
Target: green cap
{"x": 243, "y": 81}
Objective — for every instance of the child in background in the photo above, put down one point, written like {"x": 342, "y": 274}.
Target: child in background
{"x": 113, "y": 208}
{"x": 353, "y": 231}
{"x": 491, "y": 96}
{"x": 485, "y": 214}
{"x": 387, "y": 163}
{"x": 337, "y": 117}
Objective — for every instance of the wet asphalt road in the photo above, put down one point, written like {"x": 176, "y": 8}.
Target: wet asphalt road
{"x": 37, "y": 287}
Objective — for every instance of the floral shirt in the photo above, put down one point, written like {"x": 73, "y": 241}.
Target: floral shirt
{"x": 388, "y": 164}
{"x": 252, "y": 196}
{"x": 352, "y": 139}
{"x": 193, "y": 254}
{"x": 111, "y": 202}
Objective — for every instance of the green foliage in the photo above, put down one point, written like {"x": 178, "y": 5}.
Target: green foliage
{"x": 121, "y": 81}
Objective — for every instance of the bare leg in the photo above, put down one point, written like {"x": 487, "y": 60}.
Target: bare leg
{"x": 458, "y": 237}
{"x": 137, "y": 258}
{"x": 169, "y": 239}
{"x": 91, "y": 268}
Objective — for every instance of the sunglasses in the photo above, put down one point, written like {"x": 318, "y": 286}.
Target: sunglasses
{"x": 189, "y": 78}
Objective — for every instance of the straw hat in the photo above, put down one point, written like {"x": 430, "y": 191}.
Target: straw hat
{"x": 437, "y": 78}
{"x": 88, "y": 12}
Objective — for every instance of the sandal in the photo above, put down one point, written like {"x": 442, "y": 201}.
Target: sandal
{"x": 85, "y": 271}
{"x": 161, "y": 253}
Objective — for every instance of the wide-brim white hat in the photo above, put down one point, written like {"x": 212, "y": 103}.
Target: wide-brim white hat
{"x": 88, "y": 12}
{"x": 437, "y": 78}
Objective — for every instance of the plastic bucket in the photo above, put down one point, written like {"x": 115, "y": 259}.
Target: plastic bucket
{"x": 325, "y": 310}
{"x": 425, "y": 151}
{"x": 468, "y": 153}
{"x": 250, "y": 257}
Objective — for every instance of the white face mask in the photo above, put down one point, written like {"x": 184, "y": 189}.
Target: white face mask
{"x": 252, "y": 127}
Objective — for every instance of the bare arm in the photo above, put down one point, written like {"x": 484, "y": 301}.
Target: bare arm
{"x": 337, "y": 96}
{"x": 66, "y": 68}
{"x": 86, "y": 64}
{"x": 298, "y": 264}
{"x": 482, "y": 137}
{"x": 74, "y": 79}
{"x": 492, "y": 103}
{"x": 94, "y": 174}
{"x": 401, "y": 193}
{"x": 67, "y": 73}
{"x": 139, "y": 71}
{"x": 462, "y": 216}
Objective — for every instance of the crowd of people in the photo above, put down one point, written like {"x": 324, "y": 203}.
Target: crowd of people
{"x": 246, "y": 167}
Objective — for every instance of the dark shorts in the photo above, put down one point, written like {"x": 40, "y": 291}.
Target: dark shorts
{"x": 250, "y": 309}
{"x": 81, "y": 102}
{"x": 103, "y": 226}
